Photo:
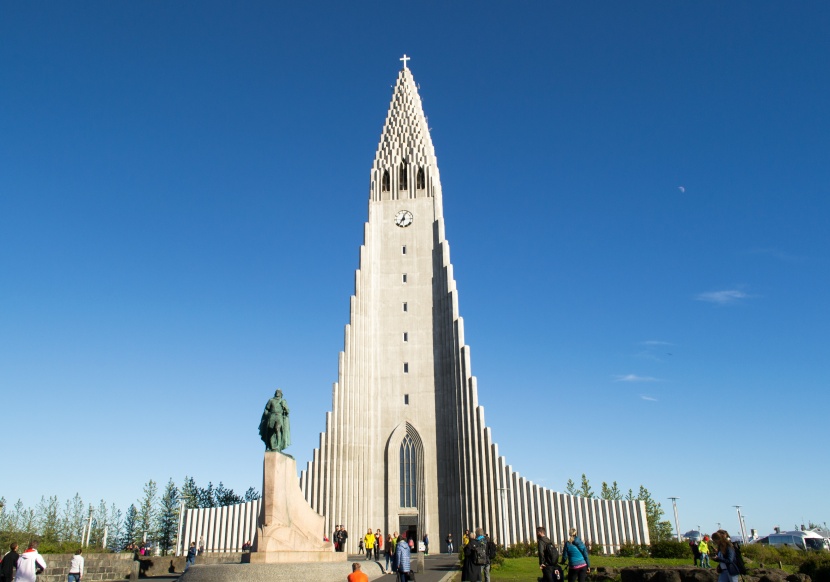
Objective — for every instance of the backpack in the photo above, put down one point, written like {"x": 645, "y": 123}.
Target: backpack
{"x": 551, "y": 554}
{"x": 479, "y": 553}
{"x": 491, "y": 550}
{"x": 739, "y": 559}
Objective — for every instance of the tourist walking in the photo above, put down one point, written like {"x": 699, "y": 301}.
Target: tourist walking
{"x": 694, "y": 545}
{"x": 728, "y": 570}
{"x": 576, "y": 556}
{"x": 191, "y": 556}
{"x": 390, "y": 553}
{"x": 548, "y": 557}
{"x": 9, "y": 563}
{"x": 473, "y": 561}
{"x": 76, "y": 567}
{"x": 449, "y": 544}
{"x": 426, "y": 544}
{"x": 402, "y": 560}
{"x": 369, "y": 543}
{"x": 378, "y": 544}
{"x": 703, "y": 549}
{"x": 30, "y": 564}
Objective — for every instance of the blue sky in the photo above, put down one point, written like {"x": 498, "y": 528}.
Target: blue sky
{"x": 636, "y": 198}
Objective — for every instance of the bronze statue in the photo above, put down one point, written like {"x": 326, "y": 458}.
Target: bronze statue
{"x": 274, "y": 428}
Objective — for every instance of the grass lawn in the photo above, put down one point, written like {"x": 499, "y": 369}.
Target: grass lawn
{"x": 527, "y": 569}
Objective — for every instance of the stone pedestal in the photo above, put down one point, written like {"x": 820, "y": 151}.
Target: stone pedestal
{"x": 288, "y": 530}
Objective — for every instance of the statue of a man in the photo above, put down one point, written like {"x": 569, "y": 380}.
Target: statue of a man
{"x": 274, "y": 428}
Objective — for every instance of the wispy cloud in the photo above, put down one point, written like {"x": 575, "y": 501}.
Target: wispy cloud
{"x": 725, "y": 297}
{"x": 634, "y": 378}
{"x": 778, "y": 254}
{"x": 648, "y": 398}
{"x": 656, "y": 343}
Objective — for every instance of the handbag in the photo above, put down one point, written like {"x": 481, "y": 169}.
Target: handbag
{"x": 410, "y": 576}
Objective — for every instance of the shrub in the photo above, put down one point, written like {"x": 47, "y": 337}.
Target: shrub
{"x": 816, "y": 566}
{"x": 633, "y": 551}
{"x": 521, "y": 550}
{"x": 670, "y": 549}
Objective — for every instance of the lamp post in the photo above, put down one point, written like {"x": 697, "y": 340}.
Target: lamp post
{"x": 741, "y": 523}
{"x": 676, "y": 521}
{"x": 89, "y": 525}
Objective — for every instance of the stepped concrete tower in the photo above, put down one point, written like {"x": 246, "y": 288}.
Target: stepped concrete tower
{"x": 405, "y": 447}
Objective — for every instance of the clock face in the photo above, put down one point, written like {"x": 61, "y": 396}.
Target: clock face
{"x": 403, "y": 218}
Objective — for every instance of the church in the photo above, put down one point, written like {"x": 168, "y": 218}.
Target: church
{"x": 406, "y": 447}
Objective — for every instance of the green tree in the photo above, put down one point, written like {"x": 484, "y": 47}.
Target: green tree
{"x": 167, "y": 523}
{"x": 225, "y": 496}
{"x": 130, "y": 535}
{"x": 570, "y": 488}
{"x": 612, "y": 493}
{"x": 657, "y": 528}
{"x": 147, "y": 509}
{"x": 251, "y": 494}
{"x": 206, "y": 496}
{"x": 189, "y": 493}
{"x": 48, "y": 520}
{"x": 585, "y": 488}
{"x": 74, "y": 519}
{"x": 115, "y": 529}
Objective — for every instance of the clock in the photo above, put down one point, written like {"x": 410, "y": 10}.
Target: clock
{"x": 403, "y": 218}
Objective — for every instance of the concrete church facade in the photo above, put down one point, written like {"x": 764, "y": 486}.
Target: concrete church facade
{"x": 406, "y": 447}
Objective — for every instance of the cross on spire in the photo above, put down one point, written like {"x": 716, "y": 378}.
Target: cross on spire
{"x": 404, "y": 59}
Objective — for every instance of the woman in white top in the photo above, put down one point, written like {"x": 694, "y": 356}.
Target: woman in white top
{"x": 76, "y": 568}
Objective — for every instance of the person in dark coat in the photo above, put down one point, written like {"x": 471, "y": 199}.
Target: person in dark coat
{"x": 9, "y": 563}
{"x": 470, "y": 571}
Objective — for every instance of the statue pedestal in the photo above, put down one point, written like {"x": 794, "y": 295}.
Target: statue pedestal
{"x": 288, "y": 529}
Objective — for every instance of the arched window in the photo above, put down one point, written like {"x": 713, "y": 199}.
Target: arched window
{"x": 420, "y": 183}
{"x": 403, "y": 183}
{"x": 384, "y": 184}
{"x": 409, "y": 467}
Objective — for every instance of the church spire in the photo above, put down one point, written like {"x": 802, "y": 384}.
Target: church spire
{"x": 405, "y": 164}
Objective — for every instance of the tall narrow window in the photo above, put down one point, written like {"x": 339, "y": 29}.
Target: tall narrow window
{"x": 403, "y": 278}
{"x": 405, "y": 307}
{"x": 409, "y": 466}
{"x": 420, "y": 182}
{"x": 406, "y": 336}
{"x": 403, "y": 250}
{"x": 384, "y": 184}
{"x": 402, "y": 182}
{"x": 406, "y": 367}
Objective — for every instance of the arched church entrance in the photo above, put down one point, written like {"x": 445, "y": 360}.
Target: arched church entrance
{"x": 405, "y": 493}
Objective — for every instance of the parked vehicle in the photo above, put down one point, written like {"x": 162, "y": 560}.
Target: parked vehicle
{"x": 803, "y": 540}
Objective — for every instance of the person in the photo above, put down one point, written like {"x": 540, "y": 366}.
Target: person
{"x": 727, "y": 569}
{"x": 449, "y": 544}
{"x": 369, "y": 543}
{"x": 548, "y": 557}
{"x": 360, "y": 546}
{"x": 465, "y": 539}
{"x": 703, "y": 550}
{"x": 426, "y": 544}
{"x": 76, "y": 567}
{"x": 484, "y": 540}
{"x": 274, "y": 426}
{"x": 378, "y": 544}
{"x": 344, "y": 535}
{"x": 246, "y": 547}
{"x": 201, "y": 545}
{"x": 576, "y": 555}
{"x": 402, "y": 560}
{"x": 9, "y": 563}
{"x": 694, "y": 545}
{"x": 357, "y": 574}
{"x": 191, "y": 556}
{"x": 390, "y": 552}
{"x": 470, "y": 570}
{"x": 30, "y": 564}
